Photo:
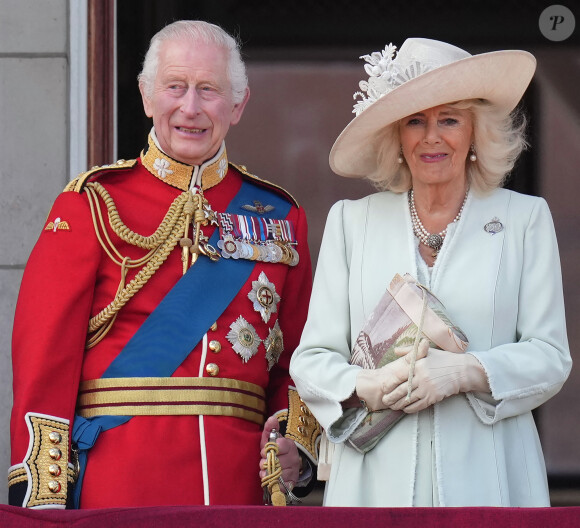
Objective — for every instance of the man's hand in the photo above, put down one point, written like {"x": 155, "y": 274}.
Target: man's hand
{"x": 288, "y": 456}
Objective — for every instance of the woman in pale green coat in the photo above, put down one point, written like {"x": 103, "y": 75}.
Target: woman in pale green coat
{"x": 437, "y": 134}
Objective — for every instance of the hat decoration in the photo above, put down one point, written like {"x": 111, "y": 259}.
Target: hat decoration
{"x": 384, "y": 75}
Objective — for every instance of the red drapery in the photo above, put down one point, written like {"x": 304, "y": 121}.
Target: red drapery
{"x": 299, "y": 516}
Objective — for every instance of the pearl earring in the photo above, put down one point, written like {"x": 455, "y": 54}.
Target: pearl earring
{"x": 400, "y": 159}
{"x": 472, "y": 156}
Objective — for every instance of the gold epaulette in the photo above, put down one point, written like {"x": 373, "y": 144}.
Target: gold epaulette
{"x": 302, "y": 427}
{"x": 78, "y": 184}
{"x": 244, "y": 171}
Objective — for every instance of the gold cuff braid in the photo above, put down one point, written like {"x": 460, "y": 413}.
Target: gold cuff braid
{"x": 46, "y": 467}
{"x": 302, "y": 427}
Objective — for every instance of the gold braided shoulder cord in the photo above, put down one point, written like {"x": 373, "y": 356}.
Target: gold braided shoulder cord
{"x": 167, "y": 235}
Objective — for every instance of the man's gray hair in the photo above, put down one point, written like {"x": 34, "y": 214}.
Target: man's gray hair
{"x": 196, "y": 31}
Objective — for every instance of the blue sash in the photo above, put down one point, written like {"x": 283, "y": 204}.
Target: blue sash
{"x": 178, "y": 324}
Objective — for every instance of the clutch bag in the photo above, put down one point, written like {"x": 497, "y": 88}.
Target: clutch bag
{"x": 406, "y": 312}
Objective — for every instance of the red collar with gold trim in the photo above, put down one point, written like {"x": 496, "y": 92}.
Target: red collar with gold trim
{"x": 181, "y": 175}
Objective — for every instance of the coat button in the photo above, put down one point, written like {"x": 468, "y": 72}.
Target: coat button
{"x": 213, "y": 327}
{"x": 212, "y": 369}
{"x": 215, "y": 346}
{"x": 54, "y": 470}
{"x": 55, "y": 437}
{"x": 55, "y": 453}
{"x": 54, "y": 486}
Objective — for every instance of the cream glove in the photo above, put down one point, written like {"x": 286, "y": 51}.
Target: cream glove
{"x": 372, "y": 384}
{"x": 439, "y": 375}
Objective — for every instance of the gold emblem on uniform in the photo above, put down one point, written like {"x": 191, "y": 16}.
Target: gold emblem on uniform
{"x": 264, "y": 297}
{"x": 57, "y": 225}
{"x": 244, "y": 339}
{"x": 258, "y": 207}
{"x": 274, "y": 345}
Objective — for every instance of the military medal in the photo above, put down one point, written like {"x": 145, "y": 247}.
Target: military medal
{"x": 266, "y": 256}
{"x": 255, "y": 253}
{"x": 229, "y": 247}
{"x": 274, "y": 344}
{"x": 276, "y": 252}
{"x": 244, "y": 339}
{"x": 295, "y": 257}
{"x": 246, "y": 251}
{"x": 255, "y": 238}
{"x": 264, "y": 297}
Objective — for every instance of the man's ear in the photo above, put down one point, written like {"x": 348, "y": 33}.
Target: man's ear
{"x": 238, "y": 108}
{"x": 146, "y": 102}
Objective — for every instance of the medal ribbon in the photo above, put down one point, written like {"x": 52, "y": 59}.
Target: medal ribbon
{"x": 242, "y": 227}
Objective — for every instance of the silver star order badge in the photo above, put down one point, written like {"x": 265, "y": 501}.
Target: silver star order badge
{"x": 274, "y": 344}
{"x": 243, "y": 338}
{"x": 209, "y": 214}
{"x": 264, "y": 297}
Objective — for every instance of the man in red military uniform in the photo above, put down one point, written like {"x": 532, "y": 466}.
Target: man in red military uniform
{"x": 159, "y": 309}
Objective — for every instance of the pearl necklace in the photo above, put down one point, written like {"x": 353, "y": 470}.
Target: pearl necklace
{"x": 432, "y": 240}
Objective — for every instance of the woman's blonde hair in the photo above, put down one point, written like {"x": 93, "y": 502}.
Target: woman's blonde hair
{"x": 498, "y": 139}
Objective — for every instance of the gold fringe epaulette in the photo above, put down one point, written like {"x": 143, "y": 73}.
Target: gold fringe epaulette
{"x": 244, "y": 171}
{"x": 78, "y": 184}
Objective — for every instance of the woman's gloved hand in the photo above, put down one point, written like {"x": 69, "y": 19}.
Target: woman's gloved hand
{"x": 372, "y": 385}
{"x": 437, "y": 376}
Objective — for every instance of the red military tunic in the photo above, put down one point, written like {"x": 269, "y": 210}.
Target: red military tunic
{"x": 69, "y": 278}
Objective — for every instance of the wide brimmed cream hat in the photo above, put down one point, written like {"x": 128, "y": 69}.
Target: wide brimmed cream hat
{"x": 423, "y": 74}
